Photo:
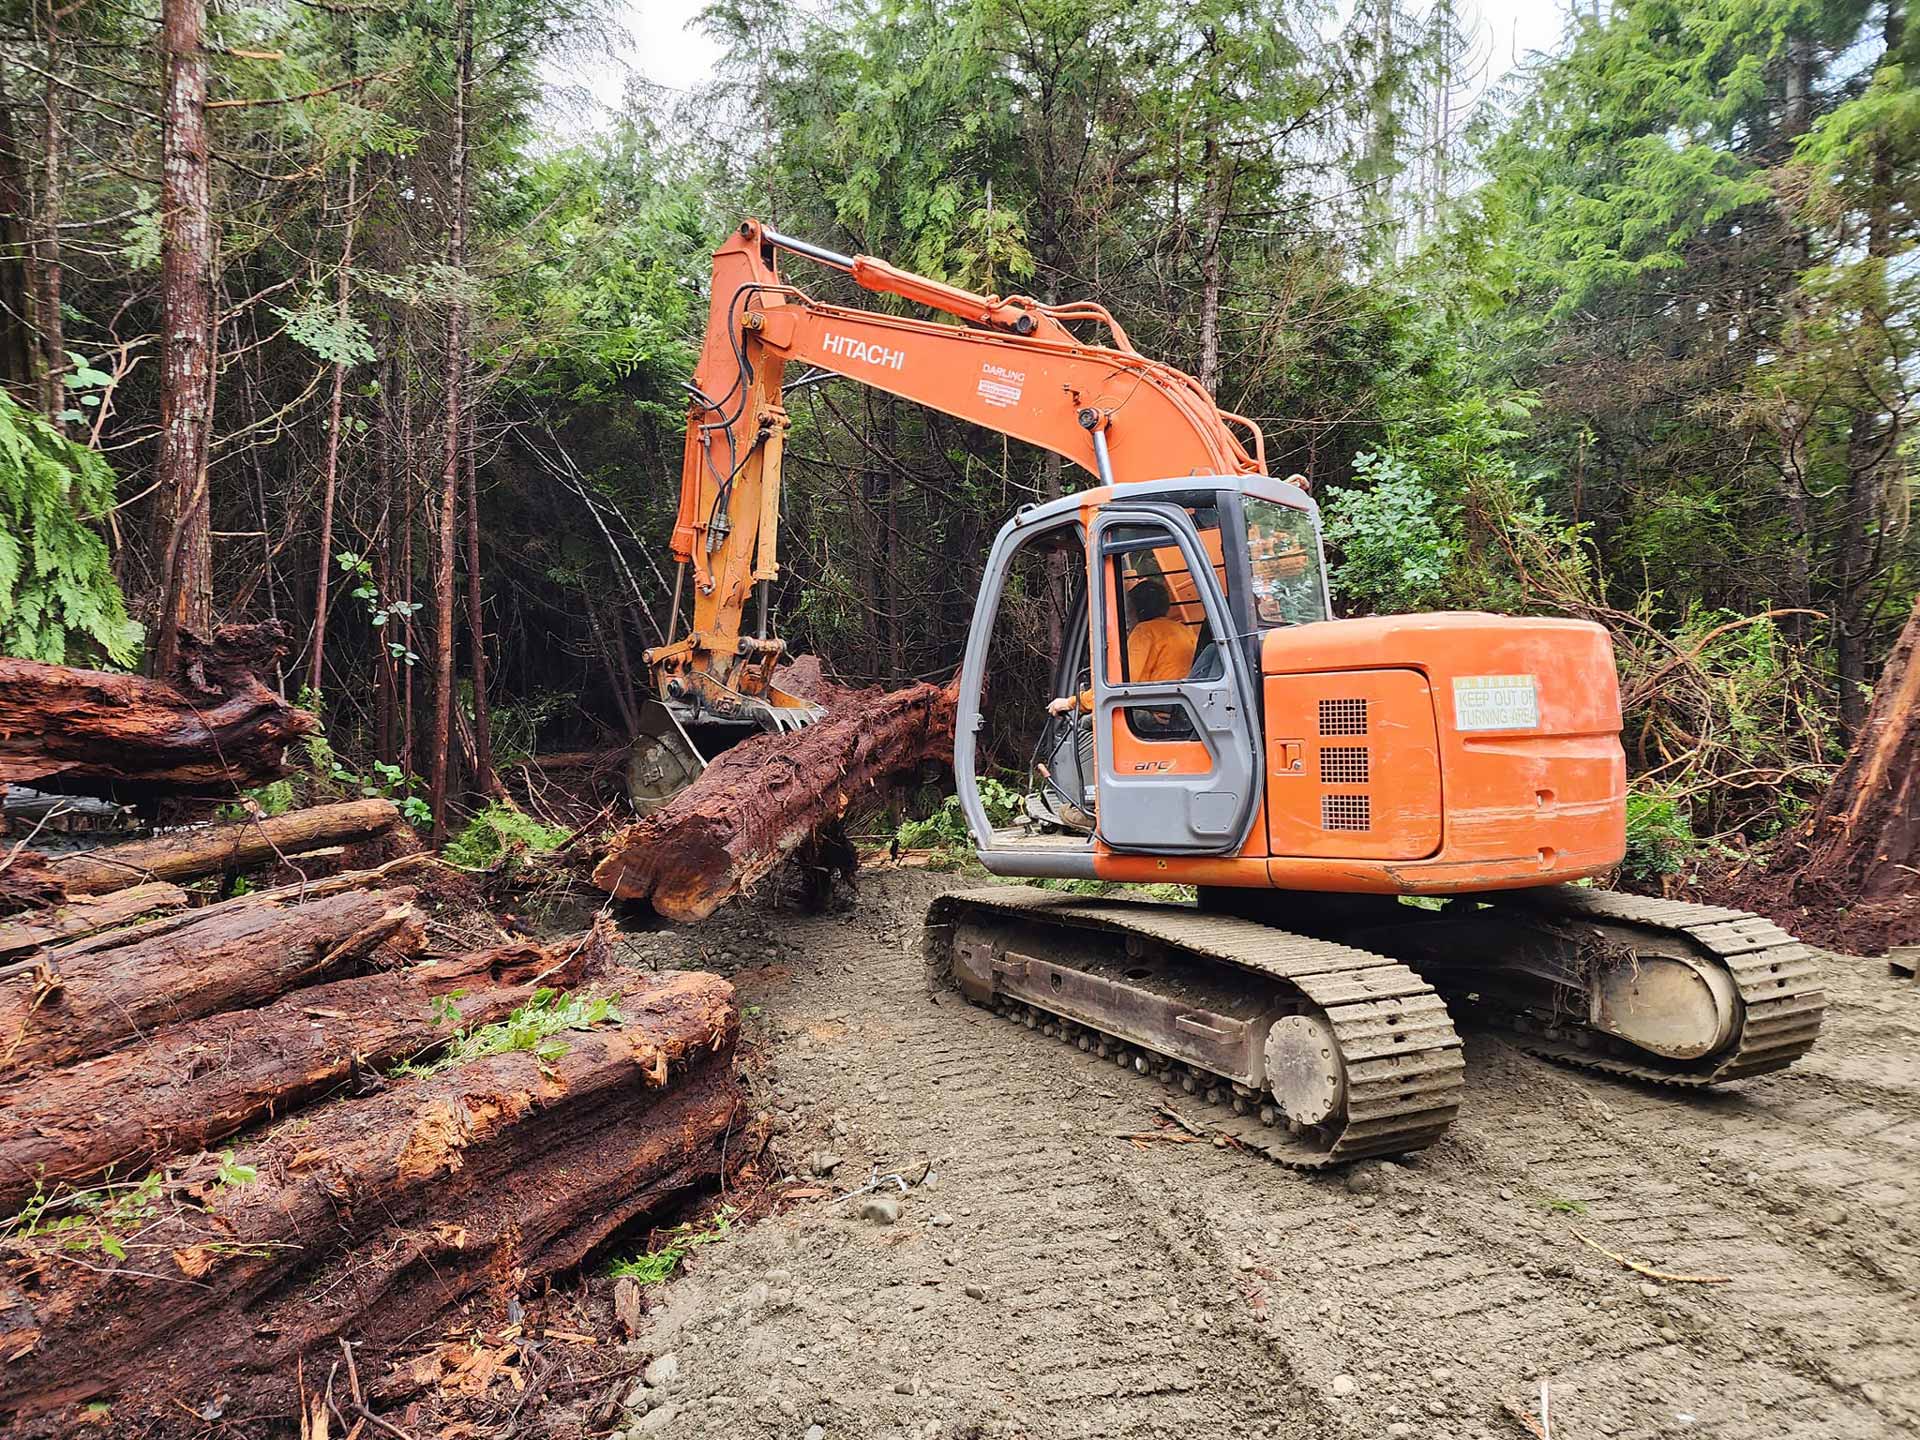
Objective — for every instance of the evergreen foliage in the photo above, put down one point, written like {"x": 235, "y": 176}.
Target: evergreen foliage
{"x": 58, "y": 598}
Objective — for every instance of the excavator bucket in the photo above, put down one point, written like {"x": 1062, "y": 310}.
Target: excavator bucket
{"x": 673, "y": 748}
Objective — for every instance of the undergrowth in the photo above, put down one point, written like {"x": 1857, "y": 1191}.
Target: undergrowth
{"x": 535, "y": 1027}
{"x": 946, "y": 827}
{"x": 497, "y": 832}
{"x": 672, "y": 1246}
{"x": 1097, "y": 889}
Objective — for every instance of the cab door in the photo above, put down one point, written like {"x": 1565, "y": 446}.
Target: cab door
{"x": 1177, "y": 755}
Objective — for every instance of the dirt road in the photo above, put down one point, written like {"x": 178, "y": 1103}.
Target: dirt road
{"x": 1053, "y": 1278}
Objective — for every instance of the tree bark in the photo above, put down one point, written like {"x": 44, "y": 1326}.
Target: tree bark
{"x": 19, "y": 354}
{"x": 183, "y": 526}
{"x": 92, "y": 996}
{"x": 395, "y": 1207}
{"x": 69, "y": 919}
{"x": 215, "y": 849}
{"x": 210, "y": 727}
{"x": 323, "y": 564}
{"x": 1860, "y": 853}
{"x": 758, "y": 802}
{"x": 483, "y": 777}
{"x": 450, "y": 470}
{"x": 191, "y": 1085}
{"x": 53, "y": 343}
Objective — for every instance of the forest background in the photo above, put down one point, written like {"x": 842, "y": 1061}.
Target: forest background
{"x": 312, "y": 310}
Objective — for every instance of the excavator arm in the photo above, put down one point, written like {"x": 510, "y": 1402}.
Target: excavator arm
{"x": 1011, "y": 365}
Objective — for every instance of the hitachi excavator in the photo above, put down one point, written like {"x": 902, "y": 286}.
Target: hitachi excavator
{"x": 1307, "y": 776}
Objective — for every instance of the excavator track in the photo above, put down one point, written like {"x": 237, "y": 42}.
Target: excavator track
{"x": 1776, "y": 976}
{"x": 1392, "y": 1055}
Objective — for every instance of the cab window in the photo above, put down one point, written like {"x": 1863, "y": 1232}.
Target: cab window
{"x": 1283, "y": 551}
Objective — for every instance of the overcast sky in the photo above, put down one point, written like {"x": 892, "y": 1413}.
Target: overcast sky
{"x": 665, "y": 46}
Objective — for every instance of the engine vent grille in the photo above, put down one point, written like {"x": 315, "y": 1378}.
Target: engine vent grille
{"x": 1343, "y": 717}
{"x": 1343, "y": 765}
{"x": 1346, "y": 812}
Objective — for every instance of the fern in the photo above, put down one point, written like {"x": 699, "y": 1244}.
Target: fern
{"x": 58, "y": 599}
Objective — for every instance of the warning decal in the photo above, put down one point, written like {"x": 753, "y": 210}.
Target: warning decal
{"x": 1495, "y": 702}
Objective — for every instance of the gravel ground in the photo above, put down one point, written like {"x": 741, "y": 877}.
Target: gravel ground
{"x": 1052, "y": 1277}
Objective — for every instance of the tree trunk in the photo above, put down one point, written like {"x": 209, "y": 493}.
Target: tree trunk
{"x": 483, "y": 778}
{"x": 91, "y": 996}
{"x": 323, "y": 563}
{"x": 166, "y": 1094}
{"x": 1862, "y": 847}
{"x": 183, "y": 526}
{"x": 211, "y": 726}
{"x": 19, "y": 352}
{"x": 219, "y": 849}
{"x": 53, "y": 343}
{"x": 409, "y": 529}
{"x": 757, "y": 802}
{"x": 386, "y": 696}
{"x": 443, "y": 598}
{"x": 1219, "y": 187}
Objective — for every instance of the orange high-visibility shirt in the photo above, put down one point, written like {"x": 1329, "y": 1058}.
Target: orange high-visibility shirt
{"x": 1160, "y": 649}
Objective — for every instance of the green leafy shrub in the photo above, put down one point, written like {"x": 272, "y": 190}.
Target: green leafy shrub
{"x": 58, "y": 599}
{"x": 1394, "y": 536}
{"x": 534, "y": 1027}
{"x": 946, "y": 828}
{"x": 497, "y": 832}
{"x": 1660, "y": 838}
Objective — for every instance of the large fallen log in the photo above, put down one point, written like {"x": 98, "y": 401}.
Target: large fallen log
{"x": 84, "y": 915}
{"x": 369, "y": 1214}
{"x": 90, "y": 996}
{"x": 193, "y": 1084}
{"x": 212, "y": 726}
{"x": 761, "y": 800}
{"x": 231, "y": 845}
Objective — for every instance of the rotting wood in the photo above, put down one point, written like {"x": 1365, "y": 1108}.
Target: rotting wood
{"x": 86, "y": 915}
{"x": 25, "y": 881}
{"x": 193, "y": 1084}
{"x": 231, "y": 845}
{"x": 760, "y": 801}
{"x": 374, "y": 1215}
{"x": 90, "y": 996}
{"x": 211, "y": 726}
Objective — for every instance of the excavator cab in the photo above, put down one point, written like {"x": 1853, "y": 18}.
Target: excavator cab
{"x": 1161, "y": 752}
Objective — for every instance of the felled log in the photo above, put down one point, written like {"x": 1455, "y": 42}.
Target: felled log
{"x": 231, "y": 845}
{"x": 90, "y": 996}
{"x": 193, "y": 1084}
{"x": 85, "y": 915}
{"x": 25, "y": 881}
{"x": 758, "y": 802}
{"x": 376, "y": 1213}
{"x": 212, "y": 725}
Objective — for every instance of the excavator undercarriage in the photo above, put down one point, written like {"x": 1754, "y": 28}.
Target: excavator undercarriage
{"x": 1326, "y": 1047}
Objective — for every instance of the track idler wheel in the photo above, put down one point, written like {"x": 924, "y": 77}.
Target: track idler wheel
{"x": 1304, "y": 1070}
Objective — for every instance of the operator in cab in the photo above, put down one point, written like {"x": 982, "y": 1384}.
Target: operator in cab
{"x": 1158, "y": 646}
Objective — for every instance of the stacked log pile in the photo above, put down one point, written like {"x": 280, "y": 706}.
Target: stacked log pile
{"x": 235, "y": 1135}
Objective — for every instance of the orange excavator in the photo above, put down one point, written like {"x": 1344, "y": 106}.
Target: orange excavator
{"x": 1308, "y": 777}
